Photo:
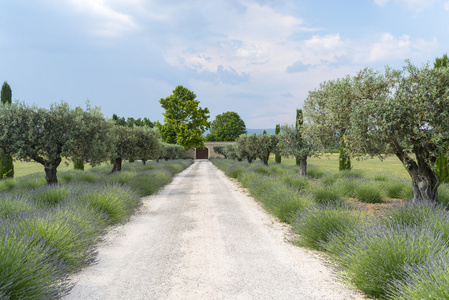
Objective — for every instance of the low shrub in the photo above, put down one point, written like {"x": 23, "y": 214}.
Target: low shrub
{"x": 379, "y": 255}
{"x": 69, "y": 242}
{"x": 7, "y": 184}
{"x": 381, "y": 177}
{"x": 413, "y": 213}
{"x": 348, "y": 186}
{"x": 350, "y": 174}
{"x": 30, "y": 182}
{"x": 429, "y": 280}
{"x": 29, "y": 270}
{"x": 49, "y": 195}
{"x": 315, "y": 172}
{"x": 235, "y": 171}
{"x": 443, "y": 195}
{"x": 15, "y": 203}
{"x": 317, "y": 224}
{"x": 368, "y": 193}
{"x": 328, "y": 179}
{"x": 282, "y": 201}
{"x": 296, "y": 182}
{"x": 324, "y": 194}
{"x": 115, "y": 200}
{"x": 394, "y": 189}
{"x": 150, "y": 182}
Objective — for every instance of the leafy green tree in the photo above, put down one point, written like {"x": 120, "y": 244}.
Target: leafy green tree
{"x": 125, "y": 145}
{"x": 220, "y": 150}
{"x": 231, "y": 152}
{"x": 441, "y": 164}
{"x": 147, "y": 143}
{"x": 266, "y": 144}
{"x": 171, "y": 151}
{"x": 293, "y": 142}
{"x": 6, "y": 161}
{"x": 46, "y": 136}
{"x": 226, "y": 127}
{"x": 184, "y": 122}
{"x": 402, "y": 111}
{"x": 277, "y": 156}
{"x": 246, "y": 147}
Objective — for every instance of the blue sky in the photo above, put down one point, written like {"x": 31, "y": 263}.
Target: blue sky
{"x": 258, "y": 58}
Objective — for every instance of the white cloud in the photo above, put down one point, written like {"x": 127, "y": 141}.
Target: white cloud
{"x": 105, "y": 21}
{"x": 241, "y": 39}
{"x": 390, "y": 48}
{"x": 446, "y": 5}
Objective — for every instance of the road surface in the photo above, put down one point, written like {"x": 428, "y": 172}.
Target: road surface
{"x": 202, "y": 237}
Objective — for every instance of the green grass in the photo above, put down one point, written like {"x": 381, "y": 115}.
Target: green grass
{"x": 391, "y": 165}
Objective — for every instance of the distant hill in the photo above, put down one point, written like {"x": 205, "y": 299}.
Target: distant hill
{"x": 260, "y": 131}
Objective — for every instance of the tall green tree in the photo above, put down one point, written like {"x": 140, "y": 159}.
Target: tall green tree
{"x": 401, "y": 112}
{"x": 442, "y": 164}
{"x": 6, "y": 161}
{"x": 301, "y": 155}
{"x": 46, "y": 136}
{"x": 184, "y": 121}
{"x": 226, "y": 127}
{"x": 277, "y": 156}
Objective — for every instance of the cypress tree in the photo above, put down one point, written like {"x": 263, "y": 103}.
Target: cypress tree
{"x": 277, "y": 157}
{"x": 344, "y": 161}
{"x": 6, "y": 163}
{"x": 299, "y": 123}
{"x": 441, "y": 164}
{"x": 78, "y": 164}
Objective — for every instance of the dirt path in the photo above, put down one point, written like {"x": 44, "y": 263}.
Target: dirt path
{"x": 202, "y": 238}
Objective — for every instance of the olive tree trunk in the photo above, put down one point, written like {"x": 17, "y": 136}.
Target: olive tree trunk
{"x": 425, "y": 181}
{"x": 117, "y": 165}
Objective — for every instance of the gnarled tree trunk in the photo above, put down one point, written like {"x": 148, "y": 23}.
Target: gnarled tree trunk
{"x": 425, "y": 181}
{"x": 117, "y": 165}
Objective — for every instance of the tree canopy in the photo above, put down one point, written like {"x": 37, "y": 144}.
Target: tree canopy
{"x": 401, "y": 112}
{"x": 184, "y": 121}
{"x": 226, "y": 127}
{"x": 46, "y": 136}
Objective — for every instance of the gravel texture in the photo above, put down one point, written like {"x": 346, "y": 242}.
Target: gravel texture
{"x": 203, "y": 237}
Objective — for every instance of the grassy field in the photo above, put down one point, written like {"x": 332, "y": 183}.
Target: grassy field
{"x": 22, "y": 168}
{"x": 391, "y": 165}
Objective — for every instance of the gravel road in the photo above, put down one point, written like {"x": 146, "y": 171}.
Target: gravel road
{"x": 202, "y": 237}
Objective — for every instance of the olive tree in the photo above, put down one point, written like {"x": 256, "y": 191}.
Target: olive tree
{"x": 125, "y": 145}
{"x": 246, "y": 146}
{"x": 330, "y": 107}
{"x": 147, "y": 145}
{"x": 402, "y": 111}
{"x": 294, "y": 142}
{"x": 266, "y": 144}
{"x": 48, "y": 135}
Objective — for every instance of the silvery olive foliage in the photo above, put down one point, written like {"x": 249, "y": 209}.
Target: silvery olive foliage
{"x": 48, "y": 135}
{"x": 401, "y": 112}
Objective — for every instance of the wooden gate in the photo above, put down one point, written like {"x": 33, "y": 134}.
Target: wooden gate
{"x": 202, "y": 153}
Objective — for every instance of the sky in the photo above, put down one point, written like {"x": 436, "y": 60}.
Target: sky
{"x": 259, "y": 58}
